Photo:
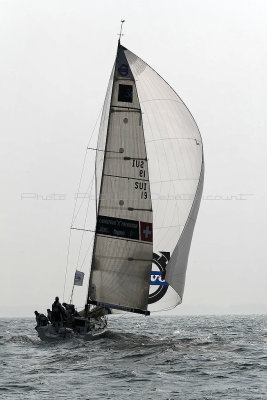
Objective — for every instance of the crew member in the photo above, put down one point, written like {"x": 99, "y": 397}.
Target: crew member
{"x": 57, "y": 314}
{"x": 49, "y": 315}
{"x": 41, "y": 319}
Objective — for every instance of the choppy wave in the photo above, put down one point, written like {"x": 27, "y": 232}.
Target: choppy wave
{"x": 187, "y": 358}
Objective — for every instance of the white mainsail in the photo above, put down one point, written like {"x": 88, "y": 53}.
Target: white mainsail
{"x": 122, "y": 256}
{"x": 150, "y": 157}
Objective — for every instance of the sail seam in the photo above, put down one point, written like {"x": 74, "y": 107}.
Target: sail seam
{"x": 126, "y": 177}
{"x": 169, "y": 226}
{"x": 127, "y": 209}
{"x": 121, "y": 238}
{"x": 127, "y": 108}
{"x": 124, "y": 258}
{"x": 175, "y": 180}
{"x": 176, "y": 101}
{"x": 174, "y": 138}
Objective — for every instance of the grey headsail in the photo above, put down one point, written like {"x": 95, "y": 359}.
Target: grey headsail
{"x": 123, "y": 247}
{"x": 176, "y": 172}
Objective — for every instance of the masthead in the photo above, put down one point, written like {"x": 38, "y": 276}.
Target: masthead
{"x": 121, "y": 34}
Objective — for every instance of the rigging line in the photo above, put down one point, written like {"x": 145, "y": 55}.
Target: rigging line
{"x": 83, "y": 198}
{"x": 86, "y": 192}
{"x": 80, "y": 248}
{"x": 67, "y": 263}
{"x": 87, "y": 251}
{"x": 81, "y": 229}
{"x": 105, "y": 151}
{"x": 83, "y": 165}
{"x": 81, "y": 268}
{"x": 117, "y": 152}
{"x": 75, "y": 204}
{"x": 85, "y": 220}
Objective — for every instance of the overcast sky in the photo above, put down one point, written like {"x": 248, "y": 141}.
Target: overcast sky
{"x": 56, "y": 58}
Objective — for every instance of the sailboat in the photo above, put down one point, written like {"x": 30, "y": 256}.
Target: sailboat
{"x": 149, "y": 172}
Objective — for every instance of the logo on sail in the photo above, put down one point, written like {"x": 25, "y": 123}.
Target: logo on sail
{"x": 124, "y": 228}
{"x": 146, "y": 231}
{"x": 158, "y": 285}
{"x": 123, "y": 70}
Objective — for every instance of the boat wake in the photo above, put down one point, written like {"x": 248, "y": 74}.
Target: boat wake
{"x": 23, "y": 339}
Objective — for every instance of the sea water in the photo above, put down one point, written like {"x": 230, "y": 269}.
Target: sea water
{"x": 174, "y": 357}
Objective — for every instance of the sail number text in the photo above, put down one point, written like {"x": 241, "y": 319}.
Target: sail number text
{"x": 142, "y": 186}
{"x": 139, "y": 164}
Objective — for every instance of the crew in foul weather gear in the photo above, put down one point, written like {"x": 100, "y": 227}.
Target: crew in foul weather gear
{"x": 41, "y": 319}
{"x": 58, "y": 314}
{"x": 49, "y": 315}
{"x": 70, "y": 314}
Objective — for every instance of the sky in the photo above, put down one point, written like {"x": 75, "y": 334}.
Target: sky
{"x": 56, "y": 58}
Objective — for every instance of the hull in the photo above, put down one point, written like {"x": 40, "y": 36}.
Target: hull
{"x": 86, "y": 329}
{"x": 48, "y": 333}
